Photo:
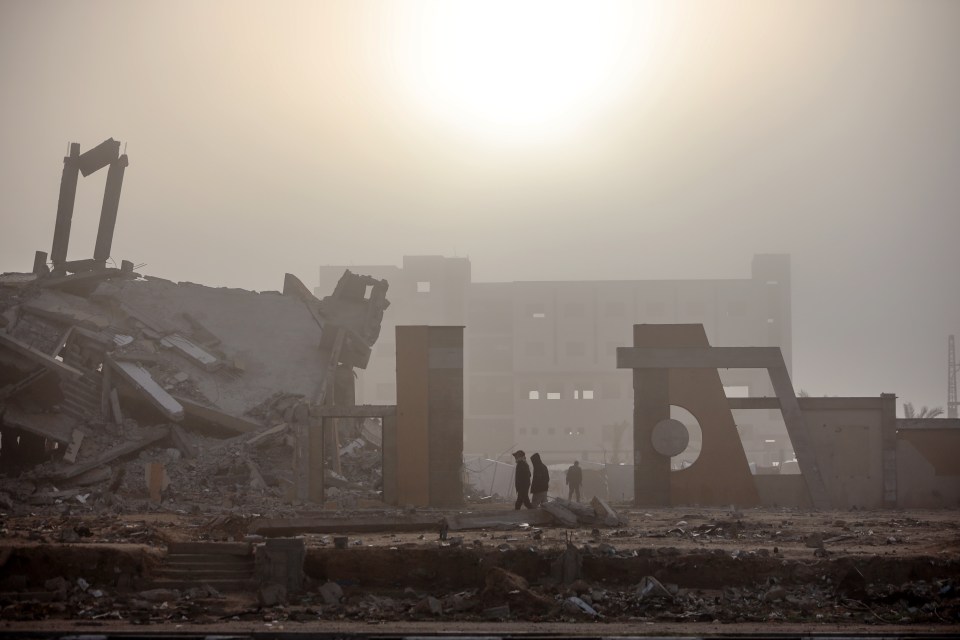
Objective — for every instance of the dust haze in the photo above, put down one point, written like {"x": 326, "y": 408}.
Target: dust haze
{"x": 277, "y": 137}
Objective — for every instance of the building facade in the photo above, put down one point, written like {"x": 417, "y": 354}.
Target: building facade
{"x": 540, "y": 357}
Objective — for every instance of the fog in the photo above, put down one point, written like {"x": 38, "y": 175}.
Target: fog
{"x": 273, "y": 137}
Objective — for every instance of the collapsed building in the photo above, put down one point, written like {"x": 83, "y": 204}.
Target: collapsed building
{"x": 99, "y": 363}
{"x": 233, "y": 413}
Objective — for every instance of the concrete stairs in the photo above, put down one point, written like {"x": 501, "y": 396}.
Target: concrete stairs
{"x": 225, "y": 566}
{"x": 81, "y": 397}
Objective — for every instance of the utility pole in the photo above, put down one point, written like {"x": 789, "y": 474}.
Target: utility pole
{"x": 951, "y": 379}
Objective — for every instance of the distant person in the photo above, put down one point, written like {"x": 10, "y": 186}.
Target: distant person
{"x": 541, "y": 481}
{"x": 522, "y": 480}
{"x": 574, "y": 480}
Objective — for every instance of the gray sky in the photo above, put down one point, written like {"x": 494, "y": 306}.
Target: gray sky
{"x": 557, "y": 141}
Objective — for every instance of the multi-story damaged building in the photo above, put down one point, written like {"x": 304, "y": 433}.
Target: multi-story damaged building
{"x": 540, "y": 371}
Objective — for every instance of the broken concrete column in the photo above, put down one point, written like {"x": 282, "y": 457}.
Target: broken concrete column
{"x": 429, "y": 439}
{"x": 68, "y": 195}
{"x": 108, "y": 213}
{"x": 157, "y": 480}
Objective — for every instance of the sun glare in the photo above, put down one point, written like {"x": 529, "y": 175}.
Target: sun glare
{"x": 519, "y": 70}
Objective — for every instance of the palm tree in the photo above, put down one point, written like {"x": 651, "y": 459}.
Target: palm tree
{"x": 911, "y": 414}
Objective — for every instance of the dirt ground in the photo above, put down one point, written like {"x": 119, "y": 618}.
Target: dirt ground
{"x": 665, "y": 571}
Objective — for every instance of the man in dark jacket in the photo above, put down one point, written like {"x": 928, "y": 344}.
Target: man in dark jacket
{"x": 541, "y": 481}
{"x": 522, "y": 480}
{"x": 574, "y": 480}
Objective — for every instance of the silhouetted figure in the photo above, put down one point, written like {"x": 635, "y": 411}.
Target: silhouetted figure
{"x": 522, "y": 480}
{"x": 541, "y": 481}
{"x": 574, "y": 479}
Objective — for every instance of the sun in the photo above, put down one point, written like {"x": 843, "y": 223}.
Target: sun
{"x": 520, "y": 69}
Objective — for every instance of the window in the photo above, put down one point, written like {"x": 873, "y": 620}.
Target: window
{"x": 522, "y": 431}
{"x": 583, "y": 394}
{"x": 423, "y": 287}
{"x": 551, "y": 431}
{"x": 533, "y": 395}
{"x": 553, "y": 395}
{"x": 534, "y": 431}
{"x": 536, "y": 311}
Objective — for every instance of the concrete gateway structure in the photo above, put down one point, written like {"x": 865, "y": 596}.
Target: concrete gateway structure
{"x": 540, "y": 357}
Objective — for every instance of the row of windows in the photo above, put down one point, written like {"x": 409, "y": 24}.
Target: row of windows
{"x": 578, "y": 394}
{"x": 550, "y": 431}
{"x": 652, "y": 309}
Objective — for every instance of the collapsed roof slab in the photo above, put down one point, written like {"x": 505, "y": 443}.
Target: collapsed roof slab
{"x": 141, "y": 379}
{"x": 57, "y": 427}
{"x": 270, "y": 341}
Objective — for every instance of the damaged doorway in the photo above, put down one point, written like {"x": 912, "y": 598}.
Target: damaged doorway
{"x": 353, "y": 475}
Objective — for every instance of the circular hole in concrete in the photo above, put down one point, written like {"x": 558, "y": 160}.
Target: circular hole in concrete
{"x": 692, "y": 452}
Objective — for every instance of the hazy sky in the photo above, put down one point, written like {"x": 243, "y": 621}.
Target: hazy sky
{"x": 543, "y": 140}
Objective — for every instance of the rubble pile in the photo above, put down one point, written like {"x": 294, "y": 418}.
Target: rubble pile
{"x": 143, "y": 390}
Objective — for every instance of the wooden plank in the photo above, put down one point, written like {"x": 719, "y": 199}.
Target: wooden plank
{"x": 158, "y": 433}
{"x": 698, "y": 357}
{"x": 41, "y": 358}
{"x": 141, "y": 379}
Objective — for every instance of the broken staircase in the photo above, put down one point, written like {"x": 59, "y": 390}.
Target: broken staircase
{"x": 225, "y": 566}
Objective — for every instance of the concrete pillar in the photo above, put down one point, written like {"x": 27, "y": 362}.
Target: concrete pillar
{"x": 888, "y": 448}
{"x": 429, "y": 429}
{"x": 651, "y": 404}
{"x": 68, "y": 195}
{"x": 40, "y": 263}
{"x": 389, "y": 452}
{"x": 108, "y": 213}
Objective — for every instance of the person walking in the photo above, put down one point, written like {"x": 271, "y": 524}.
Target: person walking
{"x": 574, "y": 480}
{"x": 522, "y": 480}
{"x": 541, "y": 481}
